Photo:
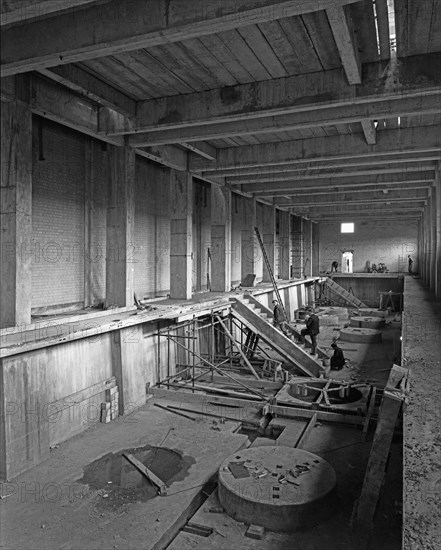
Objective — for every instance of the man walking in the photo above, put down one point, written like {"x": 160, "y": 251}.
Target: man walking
{"x": 338, "y": 359}
{"x": 312, "y": 330}
{"x": 279, "y": 317}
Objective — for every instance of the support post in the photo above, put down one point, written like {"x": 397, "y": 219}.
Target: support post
{"x": 438, "y": 233}
{"x": 121, "y": 250}
{"x": 284, "y": 244}
{"x": 269, "y": 241}
{"x": 220, "y": 239}
{"x": 16, "y": 210}
{"x": 181, "y": 254}
{"x": 249, "y": 246}
{"x": 297, "y": 247}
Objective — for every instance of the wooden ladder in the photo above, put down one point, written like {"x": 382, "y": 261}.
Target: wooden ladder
{"x": 347, "y": 296}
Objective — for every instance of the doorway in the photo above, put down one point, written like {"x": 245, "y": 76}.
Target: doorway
{"x": 347, "y": 262}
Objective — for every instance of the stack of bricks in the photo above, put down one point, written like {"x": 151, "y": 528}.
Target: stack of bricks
{"x": 109, "y": 409}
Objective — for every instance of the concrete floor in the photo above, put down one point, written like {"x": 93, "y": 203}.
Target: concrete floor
{"x": 50, "y": 508}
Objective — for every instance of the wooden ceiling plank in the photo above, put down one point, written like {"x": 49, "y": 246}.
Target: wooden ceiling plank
{"x": 226, "y": 58}
{"x": 282, "y": 47}
{"x": 216, "y": 71}
{"x": 420, "y": 14}
{"x": 152, "y": 70}
{"x": 329, "y": 148}
{"x": 244, "y": 55}
{"x": 111, "y": 70}
{"x": 301, "y": 42}
{"x": 362, "y": 14}
{"x": 320, "y": 32}
{"x": 343, "y": 30}
{"x": 258, "y": 43}
{"x": 401, "y": 27}
{"x": 435, "y": 29}
{"x": 180, "y": 65}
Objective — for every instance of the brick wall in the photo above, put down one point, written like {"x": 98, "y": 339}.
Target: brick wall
{"x": 373, "y": 241}
{"x": 151, "y": 247}
{"x": 57, "y": 249}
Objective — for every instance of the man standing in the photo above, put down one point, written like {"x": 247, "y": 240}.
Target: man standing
{"x": 409, "y": 264}
{"x": 279, "y": 317}
{"x": 312, "y": 330}
{"x": 334, "y": 266}
{"x": 338, "y": 359}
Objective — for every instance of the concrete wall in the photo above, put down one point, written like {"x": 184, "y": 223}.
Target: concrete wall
{"x": 373, "y": 241}
{"x": 367, "y": 288}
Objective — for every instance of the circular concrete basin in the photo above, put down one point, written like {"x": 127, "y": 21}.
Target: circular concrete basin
{"x": 280, "y": 488}
{"x": 360, "y": 335}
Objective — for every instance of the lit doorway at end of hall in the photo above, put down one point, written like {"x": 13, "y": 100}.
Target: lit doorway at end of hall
{"x": 347, "y": 262}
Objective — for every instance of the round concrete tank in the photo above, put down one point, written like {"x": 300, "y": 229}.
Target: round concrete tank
{"x": 367, "y": 322}
{"x": 280, "y": 488}
{"x": 360, "y": 335}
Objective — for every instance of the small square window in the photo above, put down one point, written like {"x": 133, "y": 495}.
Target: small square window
{"x": 347, "y": 227}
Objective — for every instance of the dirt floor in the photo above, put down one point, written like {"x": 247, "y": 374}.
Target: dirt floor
{"x": 87, "y": 496}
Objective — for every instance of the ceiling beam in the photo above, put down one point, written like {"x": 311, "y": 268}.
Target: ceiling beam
{"x": 353, "y": 208}
{"x": 202, "y": 149}
{"x": 381, "y": 10}
{"x": 415, "y": 76}
{"x": 121, "y": 26}
{"x": 342, "y": 28}
{"x": 305, "y": 175}
{"x": 389, "y": 142}
{"x": 372, "y": 216}
{"x": 20, "y": 10}
{"x": 404, "y": 159}
{"x": 281, "y": 200}
{"x": 313, "y": 118}
{"x": 285, "y": 189}
{"x": 370, "y": 130}
{"x": 84, "y": 83}
{"x": 345, "y": 198}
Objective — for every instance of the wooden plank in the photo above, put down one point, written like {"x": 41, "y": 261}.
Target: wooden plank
{"x": 343, "y": 31}
{"x": 154, "y": 479}
{"x": 419, "y": 15}
{"x": 277, "y": 39}
{"x": 293, "y": 412}
{"x": 258, "y": 43}
{"x": 362, "y": 15}
{"x": 245, "y": 56}
{"x": 306, "y": 432}
{"x": 132, "y": 25}
{"x": 318, "y": 28}
{"x": 364, "y": 509}
{"x": 221, "y": 51}
{"x": 215, "y": 389}
{"x": 370, "y": 411}
{"x": 201, "y": 149}
{"x": 189, "y": 397}
{"x": 301, "y": 42}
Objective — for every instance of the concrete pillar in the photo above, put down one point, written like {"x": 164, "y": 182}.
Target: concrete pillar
{"x": 269, "y": 241}
{"x": 438, "y": 235}
{"x": 181, "y": 201}
{"x": 297, "y": 247}
{"x": 249, "y": 245}
{"x": 428, "y": 233}
{"x": 315, "y": 267}
{"x": 16, "y": 213}
{"x": 220, "y": 239}
{"x": 307, "y": 233}
{"x": 433, "y": 243}
{"x": 284, "y": 245}
{"x": 120, "y": 247}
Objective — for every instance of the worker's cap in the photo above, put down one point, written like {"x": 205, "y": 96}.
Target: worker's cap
{"x": 333, "y": 345}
